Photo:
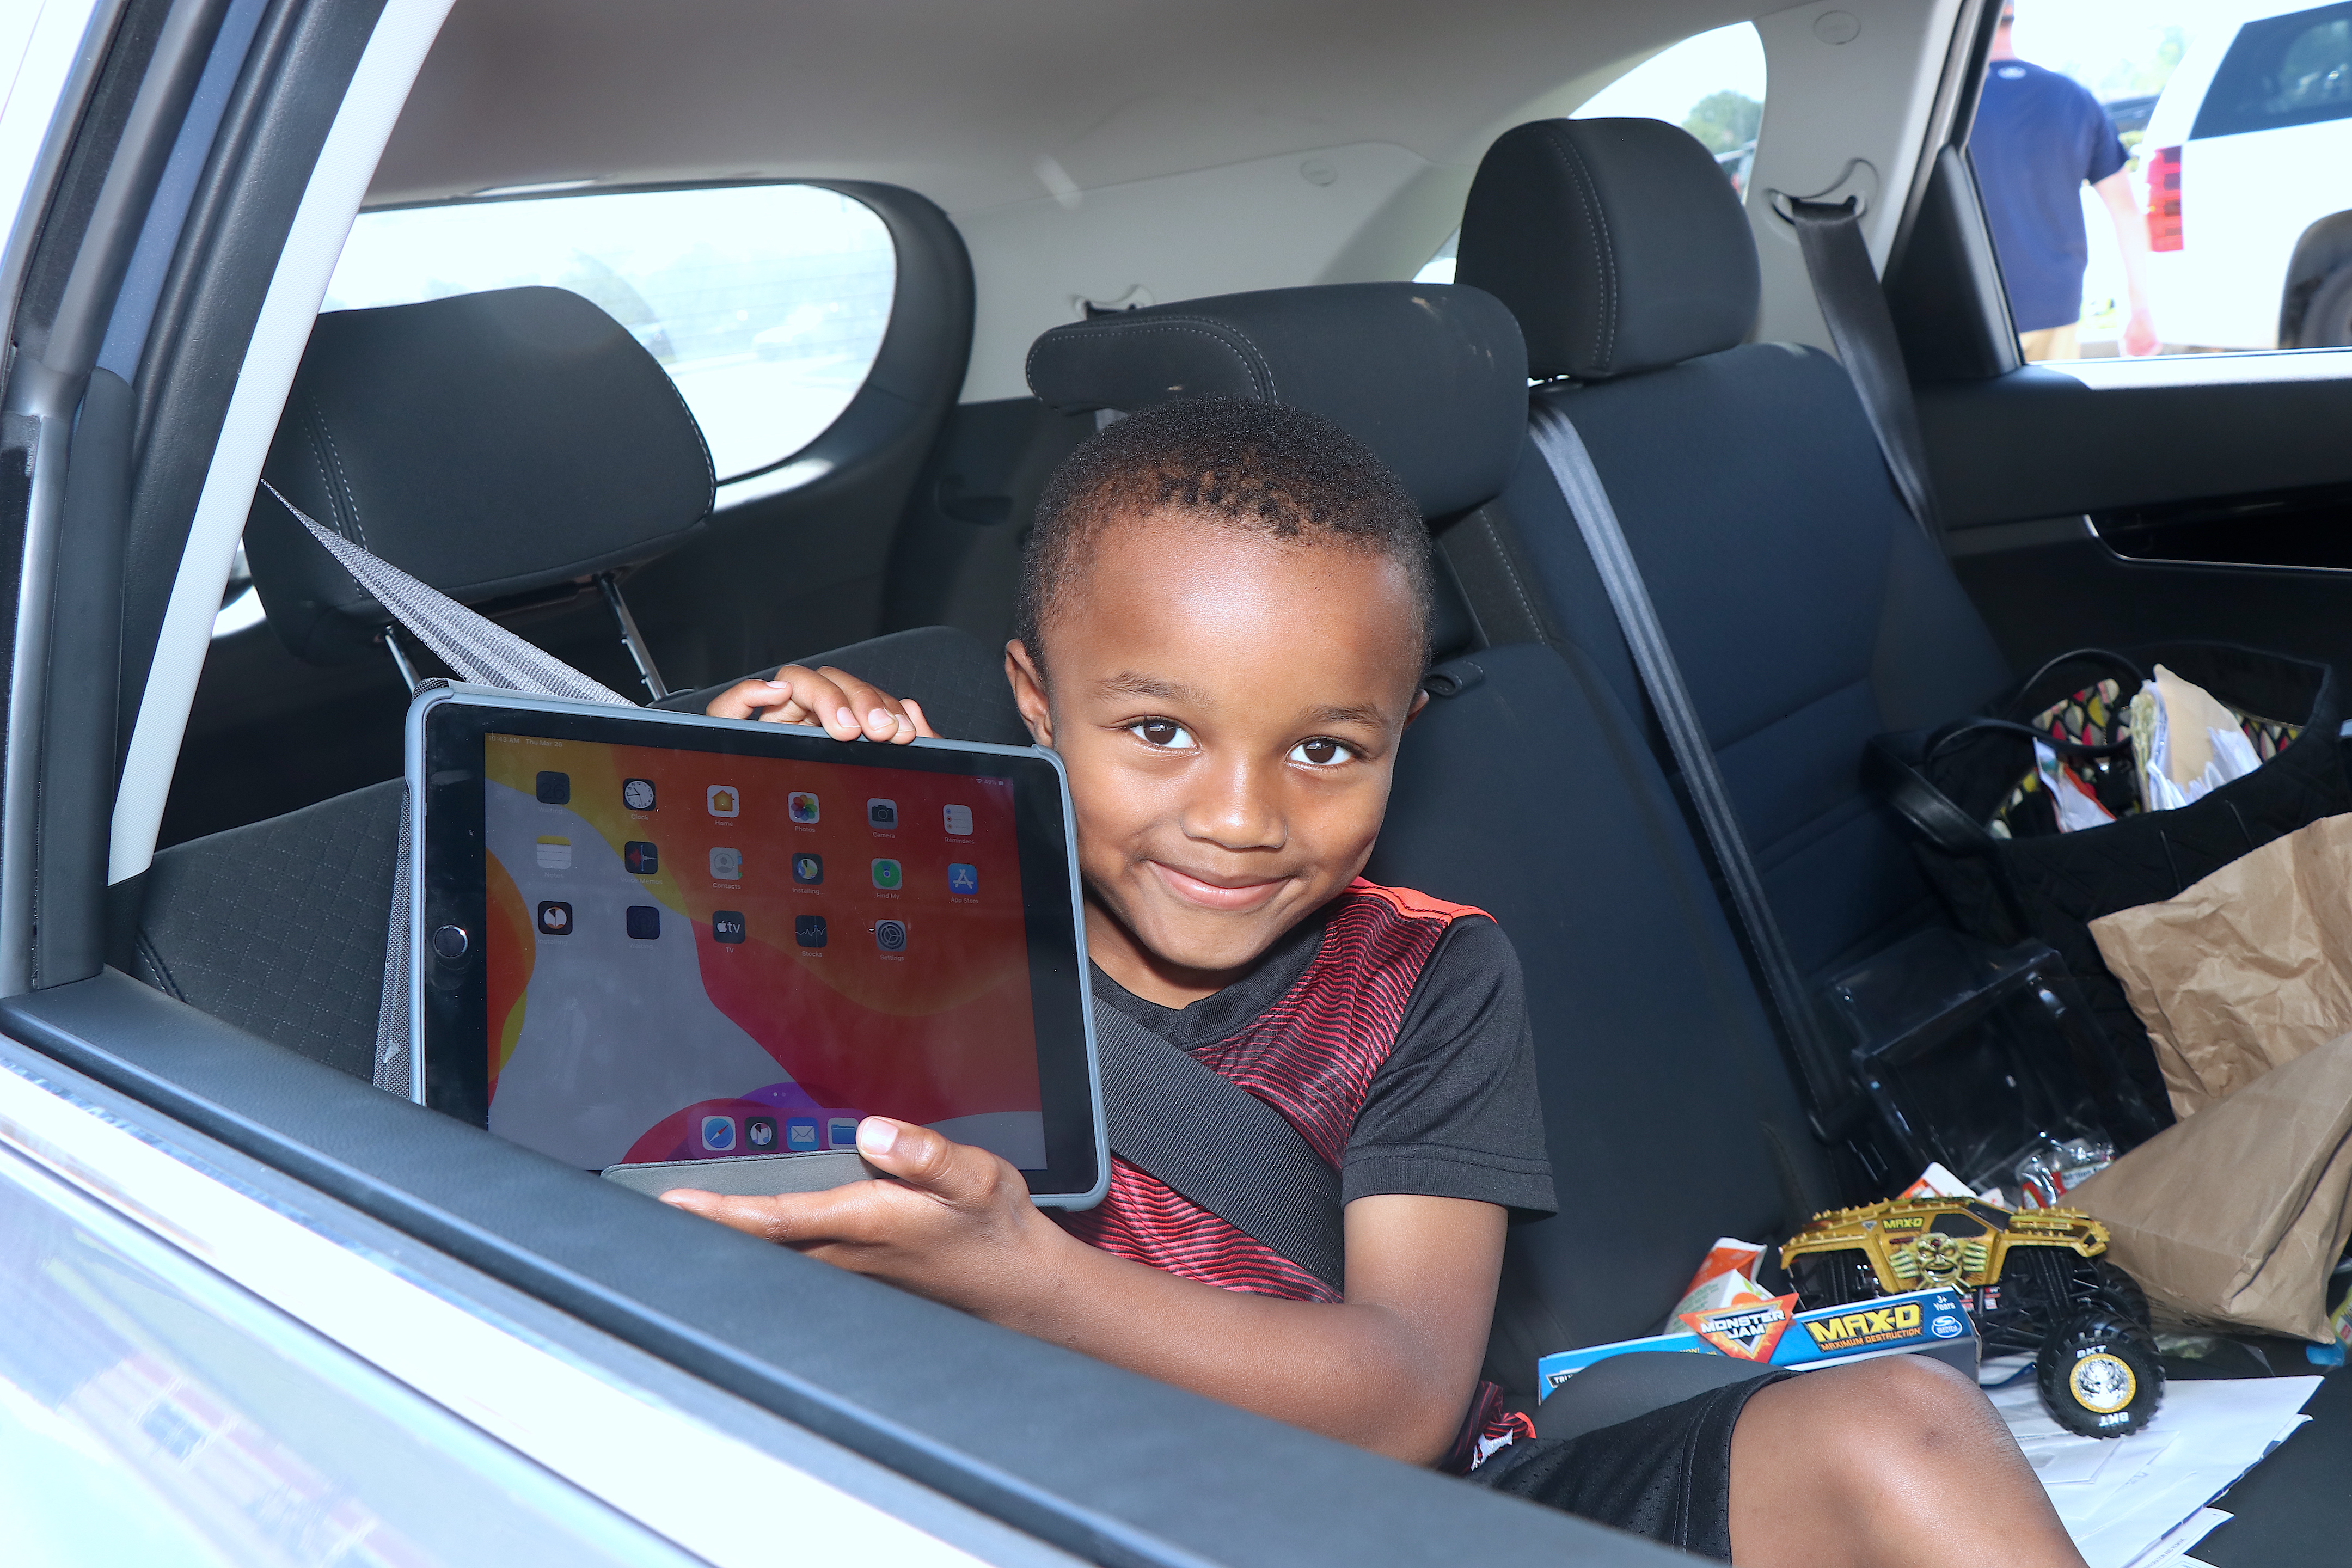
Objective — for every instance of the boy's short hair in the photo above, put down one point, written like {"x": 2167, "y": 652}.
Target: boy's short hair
{"x": 1263, "y": 467}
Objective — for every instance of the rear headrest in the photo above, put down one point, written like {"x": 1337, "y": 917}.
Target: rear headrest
{"x": 1432, "y": 378}
{"x": 1619, "y": 244}
{"x": 490, "y": 444}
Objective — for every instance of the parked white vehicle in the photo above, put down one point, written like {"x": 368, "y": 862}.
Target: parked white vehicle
{"x": 2248, "y": 160}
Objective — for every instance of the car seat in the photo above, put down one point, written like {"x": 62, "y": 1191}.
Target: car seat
{"x": 1806, "y": 608}
{"x": 1525, "y": 789}
{"x": 491, "y": 444}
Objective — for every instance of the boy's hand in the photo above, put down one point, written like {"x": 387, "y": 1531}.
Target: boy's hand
{"x": 957, "y": 1225}
{"x": 845, "y": 706}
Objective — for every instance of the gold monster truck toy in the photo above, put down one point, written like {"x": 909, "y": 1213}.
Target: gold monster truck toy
{"x": 2032, "y": 1279}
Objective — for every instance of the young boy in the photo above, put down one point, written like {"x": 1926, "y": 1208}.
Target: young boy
{"x": 1223, "y": 623}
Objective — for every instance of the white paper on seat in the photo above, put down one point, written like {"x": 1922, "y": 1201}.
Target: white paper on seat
{"x": 2139, "y": 1501}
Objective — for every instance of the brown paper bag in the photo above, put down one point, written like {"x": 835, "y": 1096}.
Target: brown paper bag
{"x": 2233, "y": 1218}
{"x": 2248, "y": 968}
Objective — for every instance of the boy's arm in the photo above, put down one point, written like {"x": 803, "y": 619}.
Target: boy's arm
{"x": 1390, "y": 1368}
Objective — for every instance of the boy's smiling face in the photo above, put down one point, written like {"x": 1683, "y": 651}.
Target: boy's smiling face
{"x": 1228, "y": 706}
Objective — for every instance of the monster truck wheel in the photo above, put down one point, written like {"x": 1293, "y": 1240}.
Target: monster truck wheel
{"x": 2122, "y": 1293}
{"x": 1840, "y": 1278}
{"x": 2099, "y": 1375}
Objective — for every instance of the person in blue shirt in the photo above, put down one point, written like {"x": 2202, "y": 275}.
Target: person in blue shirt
{"x": 2038, "y": 136}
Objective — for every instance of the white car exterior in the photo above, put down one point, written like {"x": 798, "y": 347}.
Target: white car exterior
{"x": 2259, "y": 119}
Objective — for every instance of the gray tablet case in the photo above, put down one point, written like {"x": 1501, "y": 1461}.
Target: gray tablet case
{"x": 751, "y": 1176}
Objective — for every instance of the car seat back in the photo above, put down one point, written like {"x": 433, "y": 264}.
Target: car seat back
{"x": 1806, "y": 608}
{"x": 487, "y": 444}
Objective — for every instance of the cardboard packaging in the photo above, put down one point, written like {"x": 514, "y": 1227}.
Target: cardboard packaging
{"x": 1771, "y": 1331}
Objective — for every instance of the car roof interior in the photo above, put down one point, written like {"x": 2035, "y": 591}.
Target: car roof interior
{"x": 1058, "y": 177}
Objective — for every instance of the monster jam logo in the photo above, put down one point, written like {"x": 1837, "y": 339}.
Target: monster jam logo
{"x": 1867, "y": 1326}
{"x": 1749, "y": 1331}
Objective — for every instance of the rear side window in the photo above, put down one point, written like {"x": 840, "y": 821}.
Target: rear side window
{"x": 766, "y": 303}
{"x": 2284, "y": 70}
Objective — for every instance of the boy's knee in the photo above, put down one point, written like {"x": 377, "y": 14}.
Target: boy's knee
{"x": 1893, "y": 1407}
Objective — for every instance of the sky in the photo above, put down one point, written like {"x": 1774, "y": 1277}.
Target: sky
{"x": 1666, "y": 86}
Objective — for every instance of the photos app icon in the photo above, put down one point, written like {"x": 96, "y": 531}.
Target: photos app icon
{"x": 801, "y": 806}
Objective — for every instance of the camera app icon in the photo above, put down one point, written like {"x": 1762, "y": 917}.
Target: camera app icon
{"x": 882, "y": 815}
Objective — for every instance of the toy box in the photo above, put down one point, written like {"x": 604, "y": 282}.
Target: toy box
{"x": 1771, "y": 1331}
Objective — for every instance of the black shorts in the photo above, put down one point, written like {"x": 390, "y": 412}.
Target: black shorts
{"x": 1665, "y": 1474}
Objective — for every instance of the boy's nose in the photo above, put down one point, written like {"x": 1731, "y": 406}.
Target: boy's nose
{"x": 1239, "y": 806}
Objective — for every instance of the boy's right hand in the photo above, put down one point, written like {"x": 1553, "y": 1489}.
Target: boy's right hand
{"x": 845, "y": 706}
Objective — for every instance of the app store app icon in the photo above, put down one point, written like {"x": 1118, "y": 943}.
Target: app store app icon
{"x": 964, "y": 881}
{"x": 718, "y": 1134}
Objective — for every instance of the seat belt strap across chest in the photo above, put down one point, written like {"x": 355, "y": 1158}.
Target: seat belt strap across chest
{"x": 1162, "y": 1102}
{"x": 1823, "y": 1076}
{"x": 1157, "y": 1097}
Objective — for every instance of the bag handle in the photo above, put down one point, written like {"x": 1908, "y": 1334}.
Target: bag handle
{"x": 1962, "y": 729}
{"x": 2100, "y": 655}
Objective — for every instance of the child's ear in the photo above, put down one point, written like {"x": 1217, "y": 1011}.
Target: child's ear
{"x": 1420, "y": 701}
{"x": 1029, "y": 692}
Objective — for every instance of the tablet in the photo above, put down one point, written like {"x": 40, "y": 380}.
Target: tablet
{"x": 655, "y": 939}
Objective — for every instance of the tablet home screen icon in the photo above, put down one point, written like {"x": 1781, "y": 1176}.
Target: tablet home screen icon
{"x": 760, "y": 1134}
{"x": 890, "y": 936}
{"x": 718, "y": 1134}
{"x": 554, "y": 854}
{"x": 727, "y": 864}
{"x": 642, "y": 858}
{"x": 555, "y": 789}
{"x": 957, "y": 820}
{"x": 554, "y": 919}
{"x": 801, "y": 806}
{"x": 809, "y": 929}
{"x": 727, "y": 926}
{"x": 724, "y": 800}
{"x": 841, "y": 1132}
{"x": 882, "y": 815}
{"x": 808, "y": 870}
{"x": 800, "y": 1135}
{"x": 645, "y": 922}
{"x": 964, "y": 881}
{"x": 887, "y": 875}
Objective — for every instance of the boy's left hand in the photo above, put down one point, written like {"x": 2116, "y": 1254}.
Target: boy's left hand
{"x": 957, "y": 1225}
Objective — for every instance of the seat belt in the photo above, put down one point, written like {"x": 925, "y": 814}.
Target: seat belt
{"x": 1855, "y": 307}
{"x": 1820, "y": 1068}
{"x": 1157, "y": 1098}
{"x": 1161, "y": 1102}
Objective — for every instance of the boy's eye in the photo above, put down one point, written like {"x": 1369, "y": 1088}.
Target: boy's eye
{"x": 1165, "y": 733}
{"x": 1322, "y": 752}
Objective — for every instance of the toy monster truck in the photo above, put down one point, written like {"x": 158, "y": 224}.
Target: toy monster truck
{"x": 2032, "y": 1278}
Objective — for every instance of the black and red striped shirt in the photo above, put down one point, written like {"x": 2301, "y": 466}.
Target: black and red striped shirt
{"x": 1390, "y": 1030}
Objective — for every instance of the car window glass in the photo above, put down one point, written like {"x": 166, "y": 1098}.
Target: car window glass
{"x": 2282, "y": 70}
{"x": 765, "y": 303}
{"x": 2154, "y": 175}
{"x": 1711, "y": 84}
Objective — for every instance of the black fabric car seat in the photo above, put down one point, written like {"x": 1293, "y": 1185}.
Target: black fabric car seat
{"x": 1528, "y": 790}
{"x": 490, "y": 444}
{"x": 1806, "y": 608}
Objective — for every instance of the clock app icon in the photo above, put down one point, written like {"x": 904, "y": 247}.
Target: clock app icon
{"x": 637, "y": 795}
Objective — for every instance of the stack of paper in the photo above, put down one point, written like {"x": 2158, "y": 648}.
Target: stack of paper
{"x": 2139, "y": 1501}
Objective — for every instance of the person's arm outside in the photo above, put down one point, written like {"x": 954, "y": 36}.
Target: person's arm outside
{"x": 2131, "y": 239}
{"x": 1390, "y": 1368}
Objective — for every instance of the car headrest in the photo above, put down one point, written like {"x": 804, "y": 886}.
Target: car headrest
{"x": 1432, "y": 378}
{"x": 489, "y": 443}
{"x": 1619, "y": 244}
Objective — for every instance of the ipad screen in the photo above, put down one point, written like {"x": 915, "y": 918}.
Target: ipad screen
{"x": 696, "y": 955}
